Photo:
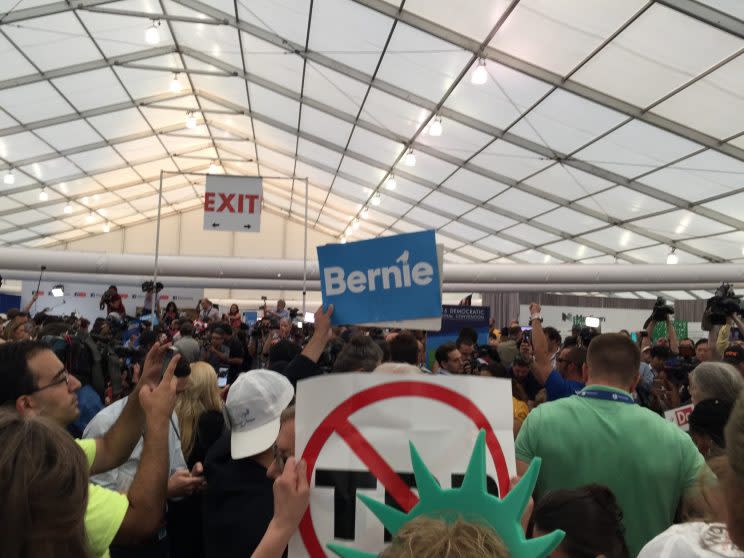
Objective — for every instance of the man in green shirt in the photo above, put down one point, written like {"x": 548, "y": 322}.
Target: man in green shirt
{"x": 601, "y": 436}
{"x": 35, "y": 382}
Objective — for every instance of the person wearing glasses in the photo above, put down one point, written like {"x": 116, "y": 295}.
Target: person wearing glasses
{"x": 35, "y": 383}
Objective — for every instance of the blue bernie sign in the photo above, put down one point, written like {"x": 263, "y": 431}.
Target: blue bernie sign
{"x": 384, "y": 279}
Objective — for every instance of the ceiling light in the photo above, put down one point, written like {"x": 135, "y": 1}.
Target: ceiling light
{"x": 672, "y": 258}
{"x": 63, "y": 187}
{"x": 9, "y": 179}
{"x": 152, "y": 35}
{"x": 43, "y": 195}
{"x": 68, "y": 208}
{"x": 58, "y": 291}
{"x": 90, "y": 217}
{"x": 343, "y": 240}
{"x": 365, "y": 215}
{"x": 190, "y": 120}
{"x": 349, "y": 231}
{"x": 390, "y": 183}
{"x": 410, "y": 159}
{"x": 106, "y": 227}
{"x": 355, "y": 224}
{"x": 480, "y": 74}
{"x": 376, "y": 199}
{"x": 213, "y": 168}
{"x": 175, "y": 84}
{"x": 436, "y": 127}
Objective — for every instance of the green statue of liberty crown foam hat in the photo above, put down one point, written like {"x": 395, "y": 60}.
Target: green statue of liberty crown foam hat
{"x": 471, "y": 502}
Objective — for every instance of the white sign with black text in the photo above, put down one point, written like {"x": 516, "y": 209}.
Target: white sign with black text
{"x": 353, "y": 431}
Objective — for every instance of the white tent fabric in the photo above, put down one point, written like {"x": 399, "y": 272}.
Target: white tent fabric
{"x": 603, "y": 131}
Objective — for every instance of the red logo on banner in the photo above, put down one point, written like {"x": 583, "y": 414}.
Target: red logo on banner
{"x": 683, "y": 415}
{"x": 338, "y": 422}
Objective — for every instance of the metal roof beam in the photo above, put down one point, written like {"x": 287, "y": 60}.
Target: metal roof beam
{"x": 49, "y": 9}
{"x": 555, "y": 79}
{"x": 478, "y": 203}
{"x": 463, "y": 119}
{"x": 708, "y": 15}
{"x": 74, "y": 69}
{"x": 70, "y": 178}
{"x": 98, "y": 111}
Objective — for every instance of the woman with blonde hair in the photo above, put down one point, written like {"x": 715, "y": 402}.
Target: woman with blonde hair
{"x": 43, "y": 490}
{"x": 199, "y": 411}
{"x": 201, "y": 397}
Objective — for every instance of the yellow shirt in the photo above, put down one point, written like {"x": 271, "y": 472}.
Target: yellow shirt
{"x": 106, "y": 509}
{"x": 520, "y": 409}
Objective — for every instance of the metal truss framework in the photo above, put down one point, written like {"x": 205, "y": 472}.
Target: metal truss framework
{"x": 207, "y": 102}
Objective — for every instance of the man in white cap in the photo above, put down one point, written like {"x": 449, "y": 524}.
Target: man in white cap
{"x": 239, "y": 501}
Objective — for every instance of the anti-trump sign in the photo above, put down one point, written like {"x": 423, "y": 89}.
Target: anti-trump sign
{"x": 382, "y": 280}
{"x": 233, "y": 203}
{"x": 353, "y": 431}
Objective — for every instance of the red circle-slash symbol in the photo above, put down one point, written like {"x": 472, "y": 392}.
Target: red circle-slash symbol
{"x": 338, "y": 421}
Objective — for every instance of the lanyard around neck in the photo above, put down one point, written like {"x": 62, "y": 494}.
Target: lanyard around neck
{"x": 606, "y": 395}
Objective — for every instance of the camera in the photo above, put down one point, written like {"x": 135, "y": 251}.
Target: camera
{"x": 722, "y": 304}
{"x": 147, "y": 286}
{"x": 661, "y": 311}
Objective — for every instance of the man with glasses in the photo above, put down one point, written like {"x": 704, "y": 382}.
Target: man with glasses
{"x": 35, "y": 382}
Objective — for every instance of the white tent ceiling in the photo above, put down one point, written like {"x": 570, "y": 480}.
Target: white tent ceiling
{"x": 605, "y": 130}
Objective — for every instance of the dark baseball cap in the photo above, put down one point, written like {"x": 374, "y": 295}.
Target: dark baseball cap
{"x": 734, "y": 354}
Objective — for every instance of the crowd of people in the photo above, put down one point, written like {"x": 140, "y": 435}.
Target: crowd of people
{"x": 183, "y": 444}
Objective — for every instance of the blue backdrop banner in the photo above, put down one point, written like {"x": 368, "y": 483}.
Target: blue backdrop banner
{"x": 384, "y": 279}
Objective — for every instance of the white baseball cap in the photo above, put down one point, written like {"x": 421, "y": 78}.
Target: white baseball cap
{"x": 254, "y": 405}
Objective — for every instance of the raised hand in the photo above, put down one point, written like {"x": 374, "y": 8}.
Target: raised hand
{"x": 291, "y": 495}
{"x": 158, "y": 403}
{"x": 153, "y": 364}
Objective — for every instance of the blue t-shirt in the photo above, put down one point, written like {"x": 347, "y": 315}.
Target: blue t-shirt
{"x": 558, "y": 387}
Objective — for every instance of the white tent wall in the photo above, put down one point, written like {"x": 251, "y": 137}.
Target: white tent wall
{"x": 183, "y": 235}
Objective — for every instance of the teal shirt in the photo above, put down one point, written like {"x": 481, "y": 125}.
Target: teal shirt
{"x": 646, "y": 461}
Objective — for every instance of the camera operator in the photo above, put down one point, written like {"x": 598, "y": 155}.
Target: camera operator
{"x": 662, "y": 312}
{"x": 721, "y": 314}
{"x": 111, "y": 300}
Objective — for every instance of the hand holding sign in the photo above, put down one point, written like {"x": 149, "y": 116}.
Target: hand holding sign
{"x": 323, "y": 320}
{"x": 382, "y": 280}
{"x": 291, "y": 495}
